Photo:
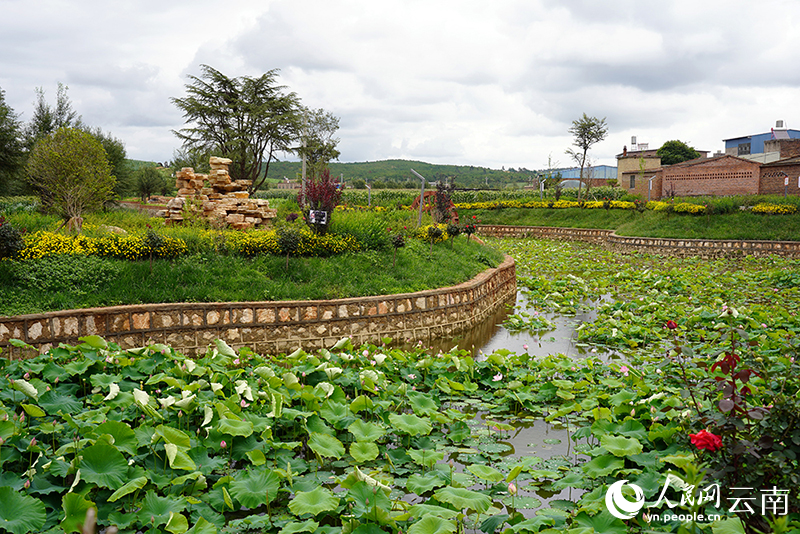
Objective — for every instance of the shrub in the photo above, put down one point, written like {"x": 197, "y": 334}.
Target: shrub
{"x": 11, "y": 241}
{"x": 321, "y": 194}
{"x": 71, "y": 172}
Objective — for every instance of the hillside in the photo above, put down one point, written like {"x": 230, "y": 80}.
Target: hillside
{"x": 391, "y": 172}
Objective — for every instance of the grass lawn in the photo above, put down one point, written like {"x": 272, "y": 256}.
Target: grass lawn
{"x": 67, "y": 282}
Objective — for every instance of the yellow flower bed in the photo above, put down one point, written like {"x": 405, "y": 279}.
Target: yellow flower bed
{"x": 422, "y": 233}
{"x": 774, "y": 209}
{"x": 129, "y": 247}
{"x": 560, "y": 204}
{"x": 687, "y": 207}
{"x": 657, "y": 205}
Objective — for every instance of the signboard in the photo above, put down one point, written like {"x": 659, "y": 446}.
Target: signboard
{"x": 318, "y": 217}
{"x": 786, "y": 181}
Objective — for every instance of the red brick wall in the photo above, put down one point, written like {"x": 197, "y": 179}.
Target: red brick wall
{"x": 772, "y": 179}
{"x": 641, "y": 184}
{"x": 719, "y": 176}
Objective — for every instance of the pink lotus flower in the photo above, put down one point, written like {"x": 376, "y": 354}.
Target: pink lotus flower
{"x": 222, "y": 444}
{"x": 497, "y": 378}
{"x": 624, "y": 370}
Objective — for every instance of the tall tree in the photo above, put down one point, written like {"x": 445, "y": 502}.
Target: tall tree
{"x": 11, "y": 147}
{"x": 587, "y": 131}
{"x": 70, "y": 170}
{"x": 249, "y": 120}
{"x": 46, "y": 119}
{"x": 318, "y": 141}
{"x": 675, "y": 151}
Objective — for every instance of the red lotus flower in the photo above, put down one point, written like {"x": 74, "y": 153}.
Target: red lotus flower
{"x": 672, "y": 325}
{"x": 706, "y": 440}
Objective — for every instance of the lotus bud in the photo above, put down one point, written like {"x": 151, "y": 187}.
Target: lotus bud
{"x": 222, "y": 444}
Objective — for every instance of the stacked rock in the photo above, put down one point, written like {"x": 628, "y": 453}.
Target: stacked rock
{"x": 218, "y": 198}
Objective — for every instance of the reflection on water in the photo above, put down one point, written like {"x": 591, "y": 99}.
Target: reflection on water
{"x": 491, "y": 335}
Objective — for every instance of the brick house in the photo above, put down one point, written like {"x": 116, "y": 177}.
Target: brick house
{"x": 774, "y": 175}
{"x": 718, "y": 176}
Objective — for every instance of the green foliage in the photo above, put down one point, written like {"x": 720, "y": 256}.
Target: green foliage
{"x": 319, "y": 143}
{"x": 672, "y": 152}
{"x": 70, "y": 170}
{"x": 149, "y": 180}
{"x": 11, "y": 241}
{"x": 11, "y": 146}
{"x": 249, "y": 120}
{"x": 586, "y": 131}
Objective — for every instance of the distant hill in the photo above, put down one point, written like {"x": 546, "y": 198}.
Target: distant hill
{"x": 398, "y": 171}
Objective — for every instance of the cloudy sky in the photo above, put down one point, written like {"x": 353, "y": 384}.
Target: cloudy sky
{"x": 468, "y": 82}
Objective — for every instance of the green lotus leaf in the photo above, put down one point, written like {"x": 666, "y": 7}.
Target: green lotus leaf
{"x": 174, "y": 436}
{"x": 463, "y": 498}
{"x": 425, "y": 458}
{"x": 233, "y": 427}
{"x": 202, "y": 527}
{"x": 75, "y": 507}
{"x": 362, "y": 402}
{"x": 602, "y": 522}
{"x": 21, "y": 513}
{"x": 522, "y": 503}
{"x": 252, "y": 488}
{"x": 177, "y": 524}
{"x": 620, "y": 445}
{"x": 104, "y": 465}
{"x": 124, "y": 436}
{"x": 159, "y": 508}
{"x": 430, "y": 524}
{"x": 178, "y": 458}
{"x": 421, "y": 484}
{"x": 411, "y": 424}
{"x": 602, "y": 465}
{"x": 95, "y": 342}
{"x": 334, "y": 411}
{"x": 486, "y": 472}
{"x": 256, "y": 457}
{"x": 313, "y": 502}
{"x": 459, "y": 431}
{"x": 364, "y": 451}
{"x": 422, "y": 403}
{"x": 421, "y": 510}
{"x": 325, "y": 445}
{"x": 296, "y": 526}
{"x": 364, "y": 431}
{"x": 130, "y": 487}
{"x": 26, "y": 387}
{"x": 104, "y": 381}
{"x": 33, "y": 411}
{"x": 78, "y": 367}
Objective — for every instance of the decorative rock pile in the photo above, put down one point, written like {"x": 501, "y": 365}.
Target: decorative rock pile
{"x": 218, "y": 198}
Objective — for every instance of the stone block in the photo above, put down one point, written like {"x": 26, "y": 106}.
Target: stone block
{"x": 141, "y": 321}
{"x": 265, "y": 315}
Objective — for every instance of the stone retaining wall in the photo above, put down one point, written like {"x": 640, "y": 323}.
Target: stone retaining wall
{"x": 590, "y": 235}
{"x": 705, "y": 248}
{"x": 272, "y": 327}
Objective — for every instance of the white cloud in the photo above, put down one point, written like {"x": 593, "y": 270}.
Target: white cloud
{"x": 451, "y": 81}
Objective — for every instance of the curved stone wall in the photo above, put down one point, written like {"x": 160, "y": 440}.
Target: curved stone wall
{"x": 272, "y": 327}
{"x": 705, "y": 248}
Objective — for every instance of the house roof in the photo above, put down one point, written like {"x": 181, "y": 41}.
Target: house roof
{"x": 701, "y": 161}
{"x": 786, "y": 161}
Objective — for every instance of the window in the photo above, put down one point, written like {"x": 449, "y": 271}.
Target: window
{"x": 744, "y": 149}
{"x": 633, "y": 182}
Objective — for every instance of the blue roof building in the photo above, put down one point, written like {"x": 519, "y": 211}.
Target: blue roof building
{"x": 754, "y": 144}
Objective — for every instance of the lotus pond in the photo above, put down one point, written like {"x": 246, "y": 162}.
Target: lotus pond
{"x": 381, "y": 439}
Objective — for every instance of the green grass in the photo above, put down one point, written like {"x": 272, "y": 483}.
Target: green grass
{"x": 739, "y": 225}
{"x": 81, "y": 282}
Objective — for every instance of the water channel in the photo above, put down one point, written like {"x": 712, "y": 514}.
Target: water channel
{"x": 531, "y": 437}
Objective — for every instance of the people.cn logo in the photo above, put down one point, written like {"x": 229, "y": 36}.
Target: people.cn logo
{"x": 621, "y": 507}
